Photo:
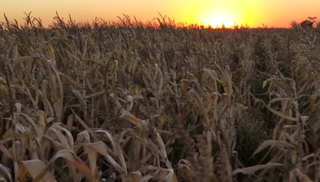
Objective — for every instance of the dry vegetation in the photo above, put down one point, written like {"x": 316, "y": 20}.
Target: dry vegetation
{"x": 127, "y": 101}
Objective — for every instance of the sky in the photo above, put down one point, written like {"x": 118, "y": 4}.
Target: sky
{"x": 255, "y": 13}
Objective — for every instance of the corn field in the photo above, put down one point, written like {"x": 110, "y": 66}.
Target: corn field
{"x": 135, "y": 102}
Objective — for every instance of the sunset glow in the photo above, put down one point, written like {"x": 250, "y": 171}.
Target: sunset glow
{"x": 218, "y": 14}
{"x": 272, "y": 13}
{"x": 220, "y": 19}
{"x": 217, "y": 19}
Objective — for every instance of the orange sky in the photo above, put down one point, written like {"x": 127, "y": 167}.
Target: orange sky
{"x": 273, "y": 13}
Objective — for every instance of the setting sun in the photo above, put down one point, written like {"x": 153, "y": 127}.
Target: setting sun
{"x": 219, "y": 20}
{"x": 218, "y": 14}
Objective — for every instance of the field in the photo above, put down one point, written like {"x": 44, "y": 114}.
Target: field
{"x": 127, "y": 101}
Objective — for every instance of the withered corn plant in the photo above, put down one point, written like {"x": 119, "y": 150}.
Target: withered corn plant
{"x": 157, "y": 101}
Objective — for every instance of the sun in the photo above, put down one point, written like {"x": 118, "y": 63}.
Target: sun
{"x": 218, "y": 14}
{"x": 217, "y": 20}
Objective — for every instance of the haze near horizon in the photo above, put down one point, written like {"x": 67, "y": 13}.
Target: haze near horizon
{"x": 271, "y": 13}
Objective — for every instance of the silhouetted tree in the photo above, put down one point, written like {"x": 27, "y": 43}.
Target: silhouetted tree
{"x": 308, "y": 23}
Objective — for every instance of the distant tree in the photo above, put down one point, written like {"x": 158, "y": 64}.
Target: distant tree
{"x": 308, "y": 23}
